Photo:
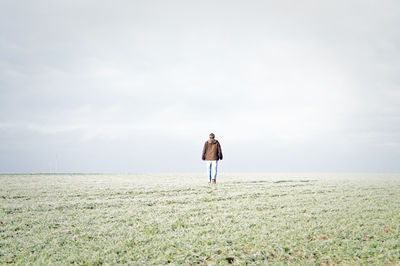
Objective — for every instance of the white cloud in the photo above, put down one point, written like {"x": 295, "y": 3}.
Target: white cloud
{"x": 265, "y": 73}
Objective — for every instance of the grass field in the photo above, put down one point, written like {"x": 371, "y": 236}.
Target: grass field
{"x": 181, "y": 219}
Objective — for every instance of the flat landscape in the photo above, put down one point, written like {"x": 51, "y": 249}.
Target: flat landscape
{"x": 180, "y": 219}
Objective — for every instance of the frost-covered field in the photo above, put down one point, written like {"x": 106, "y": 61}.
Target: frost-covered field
{"x": 179, "y": 218}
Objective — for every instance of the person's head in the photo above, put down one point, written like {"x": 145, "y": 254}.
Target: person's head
{"x": 212, "y": 136}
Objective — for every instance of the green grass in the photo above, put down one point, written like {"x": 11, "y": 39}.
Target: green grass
{"x": 181, "y": 219}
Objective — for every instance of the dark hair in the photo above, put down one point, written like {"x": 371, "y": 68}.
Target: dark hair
{"x": 212, "y": 134}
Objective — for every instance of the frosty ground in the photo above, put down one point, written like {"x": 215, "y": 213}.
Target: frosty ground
{"x": 181, "y": 219}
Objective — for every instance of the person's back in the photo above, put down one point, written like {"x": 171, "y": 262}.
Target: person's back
{"x": 211, "y": 154}
{"x": 212, "y": 150}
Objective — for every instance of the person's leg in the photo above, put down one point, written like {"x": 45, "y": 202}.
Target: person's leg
{"x": 208, "y": 164}
{"x": 214, "y": 171}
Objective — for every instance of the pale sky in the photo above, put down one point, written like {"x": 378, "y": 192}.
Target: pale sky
{"x": 137, "y": 86}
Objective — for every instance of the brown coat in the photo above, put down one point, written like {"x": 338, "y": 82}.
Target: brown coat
{"x": 212, "y": 150}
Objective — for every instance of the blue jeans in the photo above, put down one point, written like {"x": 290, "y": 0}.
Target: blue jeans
{"x": 212, "y": 169}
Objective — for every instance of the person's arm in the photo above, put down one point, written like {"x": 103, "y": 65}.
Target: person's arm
{"x": 203, "y": 154}
{"x": 219, "y": 151}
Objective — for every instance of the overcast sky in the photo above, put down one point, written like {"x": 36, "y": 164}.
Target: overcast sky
{"x": 137, "y": 86}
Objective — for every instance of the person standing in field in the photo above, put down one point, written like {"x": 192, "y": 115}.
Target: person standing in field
{"x": 211, "y": 154}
